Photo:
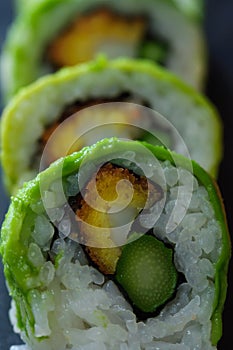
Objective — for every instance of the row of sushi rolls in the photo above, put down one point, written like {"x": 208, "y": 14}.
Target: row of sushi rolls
{"x": 116, "y": 236}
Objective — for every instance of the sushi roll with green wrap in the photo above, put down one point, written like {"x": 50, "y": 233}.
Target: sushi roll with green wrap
{"x": 51, "y": 34}
{"x": 55, "y": 109}
{"x": 122, "y": 245}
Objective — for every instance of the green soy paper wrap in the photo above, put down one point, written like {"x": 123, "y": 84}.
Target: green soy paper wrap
{"x": 187, "y": 114}
{"x": 40, "y": 22}
{"x": 51, "y": 308}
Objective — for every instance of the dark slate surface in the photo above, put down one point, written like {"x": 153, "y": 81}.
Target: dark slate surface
{"x": 219, "y": 32}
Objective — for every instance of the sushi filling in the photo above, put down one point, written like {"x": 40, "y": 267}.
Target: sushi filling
{"x": 67, "y": 294}
{"x": 104, "y": 31}
{"x": 107, "y": 204}
{"x": 142, "y": 265}
{"x": 133, "y": 122}
{"x": 108, "y": 191}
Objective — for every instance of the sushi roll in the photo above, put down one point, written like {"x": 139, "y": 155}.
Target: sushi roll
{"x": 50, "y": 34}
{"x": 61, "y": 108}
{"x": 122, "y": 245}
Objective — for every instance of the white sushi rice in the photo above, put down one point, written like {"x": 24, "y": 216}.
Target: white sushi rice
{"x": 80, "y": 309}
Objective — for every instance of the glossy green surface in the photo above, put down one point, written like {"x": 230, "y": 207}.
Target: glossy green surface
{"x": 146, "y": 271}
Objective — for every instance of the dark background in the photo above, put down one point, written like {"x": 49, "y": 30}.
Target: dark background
{"x": 219, "y": 34}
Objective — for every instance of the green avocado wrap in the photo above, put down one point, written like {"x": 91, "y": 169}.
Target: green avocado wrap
{"x": 56, "y": 109}
{"x": 51, "y": 34}
{"x": 122, "y": 245}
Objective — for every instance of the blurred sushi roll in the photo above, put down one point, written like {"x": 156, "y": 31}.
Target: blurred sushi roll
{"x": 122, "y": 245}
{"x": 50, "y": 34}
{"x": 60, "y": 108}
